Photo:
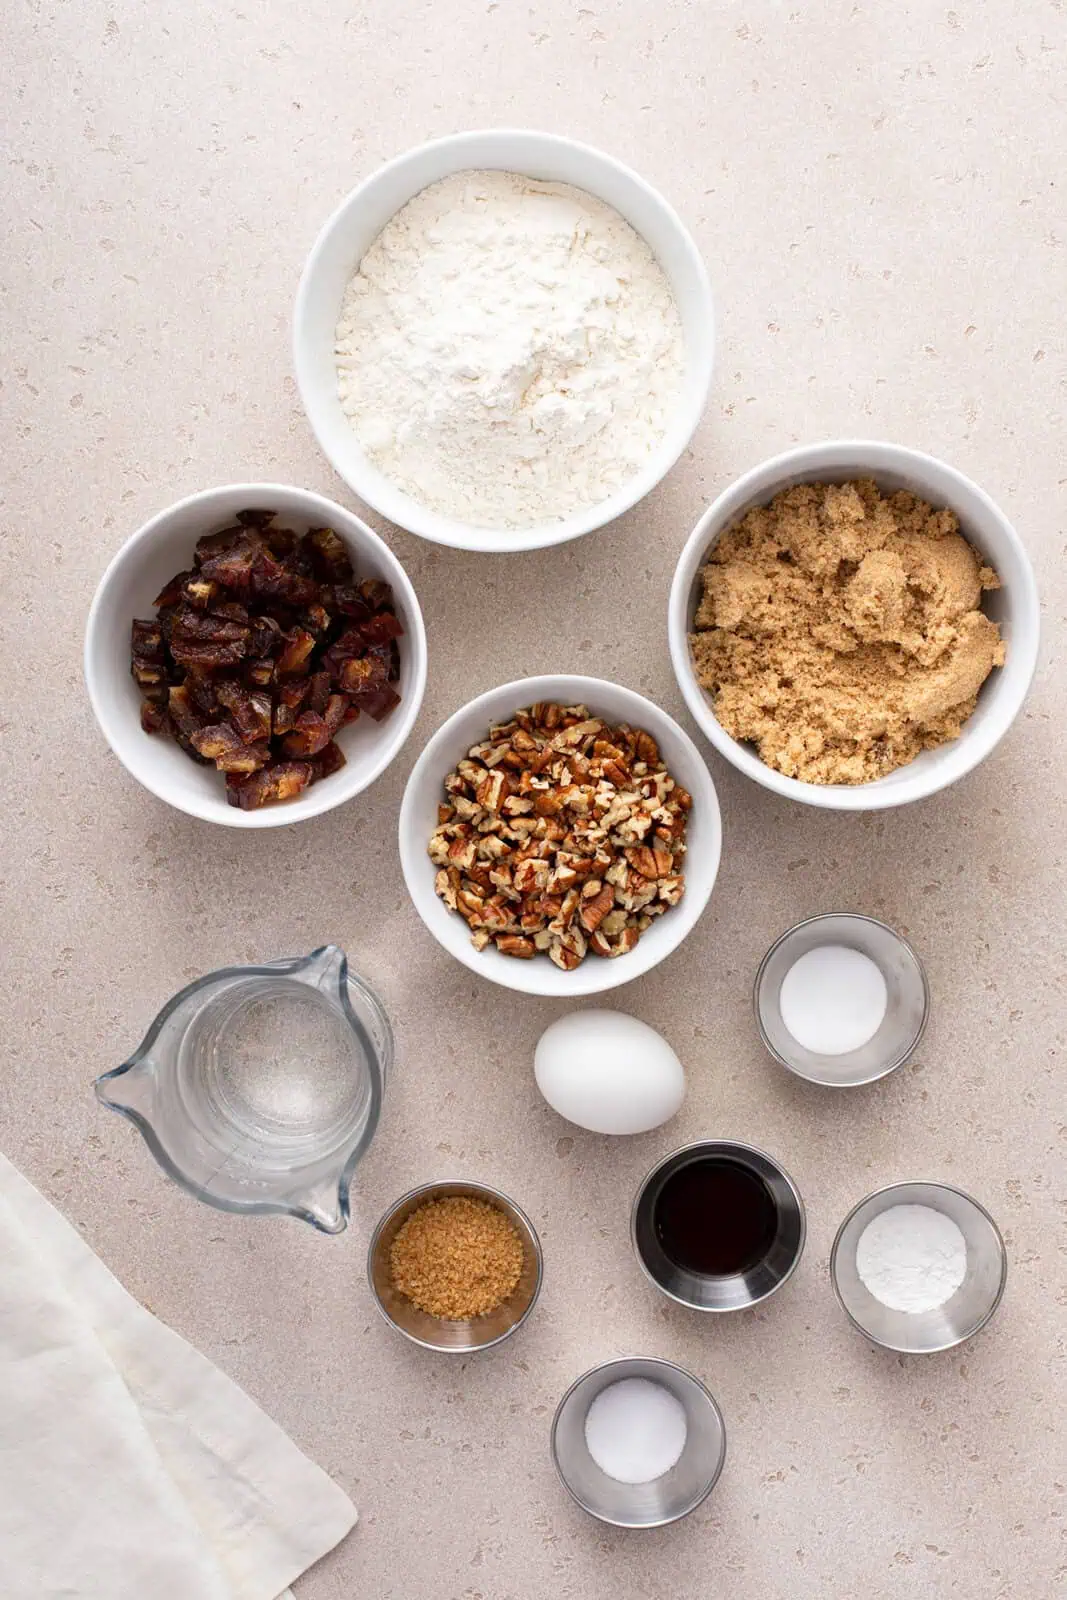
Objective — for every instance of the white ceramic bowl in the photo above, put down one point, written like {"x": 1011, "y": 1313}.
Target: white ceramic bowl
{"x": 359, "y": 220}
{"x": 425, "y": 791}
{"x": 135, "y": 576}
{"x": 1014, "y": 607}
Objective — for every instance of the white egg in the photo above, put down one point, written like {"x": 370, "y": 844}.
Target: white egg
{"x": 608, "y": 1072}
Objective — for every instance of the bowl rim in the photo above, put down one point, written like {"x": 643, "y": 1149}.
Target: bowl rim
{"x": 653, "y": 1362}
{"x": 102, "y": 700}
{"x": 882, "y": 1072}
{"x": 719, "y": 1145}
{"x": 428, "y": 1191}
{"x": 415, "y": 863}
{"x": 925, "y": 1183}
{"x": 773, "y": 474}
{"x": 403, "y": 509}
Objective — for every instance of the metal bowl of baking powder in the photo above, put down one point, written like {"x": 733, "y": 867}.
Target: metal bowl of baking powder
{"x": 963, "y": 1313}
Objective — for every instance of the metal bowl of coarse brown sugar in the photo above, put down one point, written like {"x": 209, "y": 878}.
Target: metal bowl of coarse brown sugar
{"x": 473, "y": 1263}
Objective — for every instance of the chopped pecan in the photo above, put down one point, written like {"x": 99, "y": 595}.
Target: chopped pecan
{"x": 565, "y": 836}
{"x": 596, "y": 908}
{"x": 492, "y": 791}
{"x": 445, "y": 887}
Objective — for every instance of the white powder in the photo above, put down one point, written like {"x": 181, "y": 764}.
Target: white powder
{"x": 912, "y": 1258}
{"x": 635, "y": 1430}
{"x": 509, "y": 351}
{"x": 833, "y": 1000}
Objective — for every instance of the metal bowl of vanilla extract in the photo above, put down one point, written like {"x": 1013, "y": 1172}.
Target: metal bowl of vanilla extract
{"x": 718, "y": 1226}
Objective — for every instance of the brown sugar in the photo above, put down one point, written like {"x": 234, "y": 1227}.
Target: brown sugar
{"x": 457, "y": 1257}
{"x": 840, "y": 630}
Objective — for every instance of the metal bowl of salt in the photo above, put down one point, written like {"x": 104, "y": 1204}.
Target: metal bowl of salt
{"x": 660, "y": 1500}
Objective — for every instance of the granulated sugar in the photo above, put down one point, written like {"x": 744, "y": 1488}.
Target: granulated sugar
{"x": 635, "y": 1430}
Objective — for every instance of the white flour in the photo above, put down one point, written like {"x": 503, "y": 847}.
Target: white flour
{"x": 912, "y": 1258}
{"x": 509, "y": 351}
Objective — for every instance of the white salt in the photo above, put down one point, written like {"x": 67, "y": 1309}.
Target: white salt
{"x": 833, "y": 1000}
{"x": 912, "y": 1258}
{"x": 635, "y": 1430}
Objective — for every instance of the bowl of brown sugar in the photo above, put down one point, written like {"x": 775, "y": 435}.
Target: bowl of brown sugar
{"x": 455, "y": 1266}
{"x": 854, "y": 624}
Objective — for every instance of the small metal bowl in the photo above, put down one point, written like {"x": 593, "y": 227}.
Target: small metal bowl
{"x": 907, "y": 1008}
{"x": 665, "y": 1499}
{"x": 736, "y": 1291}
{"x": 438, "y": 1333}
{"x": 963, "y": 1314}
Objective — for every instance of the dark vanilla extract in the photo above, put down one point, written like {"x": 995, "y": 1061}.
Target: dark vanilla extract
{"x": 715, "y": 1217}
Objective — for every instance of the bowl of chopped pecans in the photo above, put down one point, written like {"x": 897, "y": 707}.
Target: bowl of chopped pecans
{"x": 560, "y": 835}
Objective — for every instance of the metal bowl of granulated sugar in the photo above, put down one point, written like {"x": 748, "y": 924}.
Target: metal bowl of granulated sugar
{"x": 503, "y": 339}
{"x": 919, "y": 1267}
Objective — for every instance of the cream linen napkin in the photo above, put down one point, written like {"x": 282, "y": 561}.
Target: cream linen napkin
{"x": 130, "y": 1467}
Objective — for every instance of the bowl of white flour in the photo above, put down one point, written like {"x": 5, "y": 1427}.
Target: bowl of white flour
{"x": 503, "y": 340}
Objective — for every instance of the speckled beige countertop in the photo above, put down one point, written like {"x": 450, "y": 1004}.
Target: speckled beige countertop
{"x": 879, "y": 194}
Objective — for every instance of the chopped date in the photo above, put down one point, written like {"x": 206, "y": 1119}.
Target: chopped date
{"x": 359, "y": 677}
{"x": 207, "y": 655}
{"x": 232, "y": 569}
{"x": 334, "y": 712}
{"x": 266, "y": 637}
{"x": 260, "y": 673}
{"x": 379, "y": 703}
{"x": 146, "y": 642}
{"x": 250, "y": 709}
{"x": 199, "y": 592}
{"x": 309, "y": 736}
{"x": 172, "y": 592}
{"x": 319, "y": 693}
{"x": 328, "y": 555}
{"x": 206, "y": 628}
{"x": 297, "y": 653}
{"x": 378, "y": 595}
{"x": 281, "y": 781}
{"x": 154, "y": 718}
{"x": 217, "y": 741}
{"x": 214, "y": 544}
{"x": 274, "y": 579}
{"x": 147, "y": 675}
{"x": 317, "y": 618}
{"x": 349, "y": 602}
{"x": 203, "y": 691}
{"x": 183, "y": 712}
{"x": 332, "y": 759}
{"x": 381, "y": 628}
{"x": 261, "y": 651}
{"x": 247, "y": 759}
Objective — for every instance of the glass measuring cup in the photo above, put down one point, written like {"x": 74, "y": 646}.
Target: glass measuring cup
{"x": 259, "y": 1088}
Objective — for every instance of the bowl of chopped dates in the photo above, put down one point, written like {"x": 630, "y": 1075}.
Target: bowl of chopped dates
{"x": 255, "y": 655}
{"x": 560, "y": 835}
